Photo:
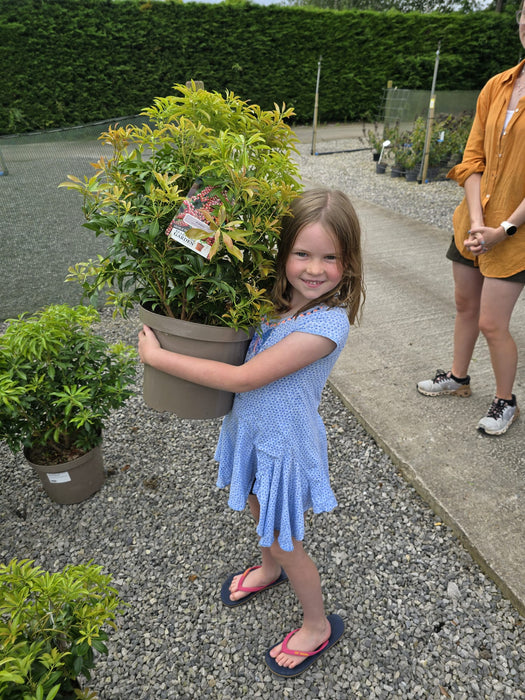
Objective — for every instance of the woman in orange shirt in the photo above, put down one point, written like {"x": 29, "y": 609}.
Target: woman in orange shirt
{"x": 488, "y": 248}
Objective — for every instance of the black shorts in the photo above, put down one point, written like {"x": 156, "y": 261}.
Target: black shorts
{"x": 454, "y": 255}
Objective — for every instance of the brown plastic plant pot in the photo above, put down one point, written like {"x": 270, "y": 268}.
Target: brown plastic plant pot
{"x": 164, "y": 392}
{"x": 74, "y": 481}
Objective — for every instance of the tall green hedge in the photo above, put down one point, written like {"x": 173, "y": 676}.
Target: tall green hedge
{"x": 66, "y": 62}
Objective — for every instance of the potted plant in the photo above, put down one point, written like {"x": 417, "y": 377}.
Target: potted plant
{"x": 59, "y": 382}
{"x": 397, "y": 143}
{"x": 409, "y": 157}
{"x": 51, "y": 625}
{"x": 459, "y": 131}
{"x": 409, "y": 150}
{"x": 374, "y": 137}
{"x": 196, "y": 141}
{"x": 411, "y": 161}
{"x": 449, "y": 137}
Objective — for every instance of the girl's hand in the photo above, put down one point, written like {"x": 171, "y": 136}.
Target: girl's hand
{"x": 148, "y": 343}
{"x": 483, "y": 238}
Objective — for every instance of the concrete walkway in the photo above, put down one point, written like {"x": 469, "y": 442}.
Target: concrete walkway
{"x": 474, "y": 483}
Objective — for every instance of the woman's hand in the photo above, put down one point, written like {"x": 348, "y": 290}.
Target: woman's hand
{"x": 148, "y": 343}
{"x": 481, "y": 239}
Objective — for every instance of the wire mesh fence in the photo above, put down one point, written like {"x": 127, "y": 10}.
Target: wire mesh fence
{"x": 403, "y": 107}
{"x": 423, "y": 143}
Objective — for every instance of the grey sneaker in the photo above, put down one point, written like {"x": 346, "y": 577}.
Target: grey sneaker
{"x": 500, "y": 416}
{"x": 443, "y": 384}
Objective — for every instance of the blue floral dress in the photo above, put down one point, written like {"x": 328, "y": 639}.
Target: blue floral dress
{"x": 274, "y": 440}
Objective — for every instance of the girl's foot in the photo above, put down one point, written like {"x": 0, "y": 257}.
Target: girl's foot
{"x": 255, "y": 577}
{"x": 302, "y": 640}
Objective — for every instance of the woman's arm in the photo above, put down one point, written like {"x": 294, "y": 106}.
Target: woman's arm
{"x": 492, "y": 236}
{"x": 472, "y": 188}
{"x": 289, "y": 355}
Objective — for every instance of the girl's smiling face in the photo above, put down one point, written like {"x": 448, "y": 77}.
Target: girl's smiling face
{"x": 314, "y": 265}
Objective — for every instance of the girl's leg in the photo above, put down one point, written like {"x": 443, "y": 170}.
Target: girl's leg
{"x": 270, "y": 568}
{"x": 497, "y": 304}
{"x": 468, "y": 283}
{"x": 305, "y": 580}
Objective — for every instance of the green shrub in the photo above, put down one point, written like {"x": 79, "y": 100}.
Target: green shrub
{"x": 59, "y": 382}
{"x": 241, "y": 152}
{"x": 66, "y": 62}
{"x": 51, "y": 625}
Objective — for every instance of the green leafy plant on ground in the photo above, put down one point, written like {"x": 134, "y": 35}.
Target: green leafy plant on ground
{"x": 51, "y": 626}
{"x": 59, "y": 382}
{"x": 244, "y": 155}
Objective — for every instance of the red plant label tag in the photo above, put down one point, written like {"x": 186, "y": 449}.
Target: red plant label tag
{"x": 200, "y": 201}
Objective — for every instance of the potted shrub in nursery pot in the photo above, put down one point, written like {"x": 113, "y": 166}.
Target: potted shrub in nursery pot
{"x": 51, "y": 625}
{"x": 59, "y": 382}
{"x": 409, "y": 160}
{"x": 191, "y": 203}
{"x": 374, "y": 138}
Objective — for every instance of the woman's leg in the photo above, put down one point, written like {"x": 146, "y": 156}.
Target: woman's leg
{"x": 468, "y": 285}
{"x": 270, "y": 568}
{"x": 304, "y": 577}
{"x": 497, "y": 304}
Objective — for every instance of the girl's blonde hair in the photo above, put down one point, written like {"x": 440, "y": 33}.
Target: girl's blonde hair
{"x": 334, "y": 211}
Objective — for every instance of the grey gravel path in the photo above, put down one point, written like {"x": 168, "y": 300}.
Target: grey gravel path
{"x": 41, "y": 225}
{"x": 422, "y": 619}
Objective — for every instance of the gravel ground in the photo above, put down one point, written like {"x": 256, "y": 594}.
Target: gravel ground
{"x": 355, "y": 174}
{"x": 422, "y": 619}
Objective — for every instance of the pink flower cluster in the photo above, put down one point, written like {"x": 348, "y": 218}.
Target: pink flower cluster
{"x": 198, "y": 203}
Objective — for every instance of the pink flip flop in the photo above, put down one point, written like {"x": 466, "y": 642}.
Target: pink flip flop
{"x": 338, "y": 627}
{"x": 294, "y": 652}
{"x": 252, "y": 591}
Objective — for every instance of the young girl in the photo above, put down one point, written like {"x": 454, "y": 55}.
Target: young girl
{"x": 272, "y": 449}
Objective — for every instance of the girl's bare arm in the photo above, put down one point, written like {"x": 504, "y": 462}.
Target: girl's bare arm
{"x": 289, "y": 355}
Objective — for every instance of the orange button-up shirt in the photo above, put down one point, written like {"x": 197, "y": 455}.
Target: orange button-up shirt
{"x": 500, "y": 155}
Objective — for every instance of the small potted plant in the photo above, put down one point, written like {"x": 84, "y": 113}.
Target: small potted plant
{"x": 408, "y": 150}
{"x": 235, "y": 157}
{"x": 449, "y": 137}
{"x": 408, "y": 157}
{"x": 396, "y": 144}
{"x": 410, "y": 160}
{"x": 374, "y": 138}
{"x": 51, "y": 625}
{"x": 59, "y": 382}
{"x": 459, "y": 128}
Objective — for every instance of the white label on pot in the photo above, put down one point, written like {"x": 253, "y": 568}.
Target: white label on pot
{"x": 59, "y": 478}
{"x": 178, "y": 234}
